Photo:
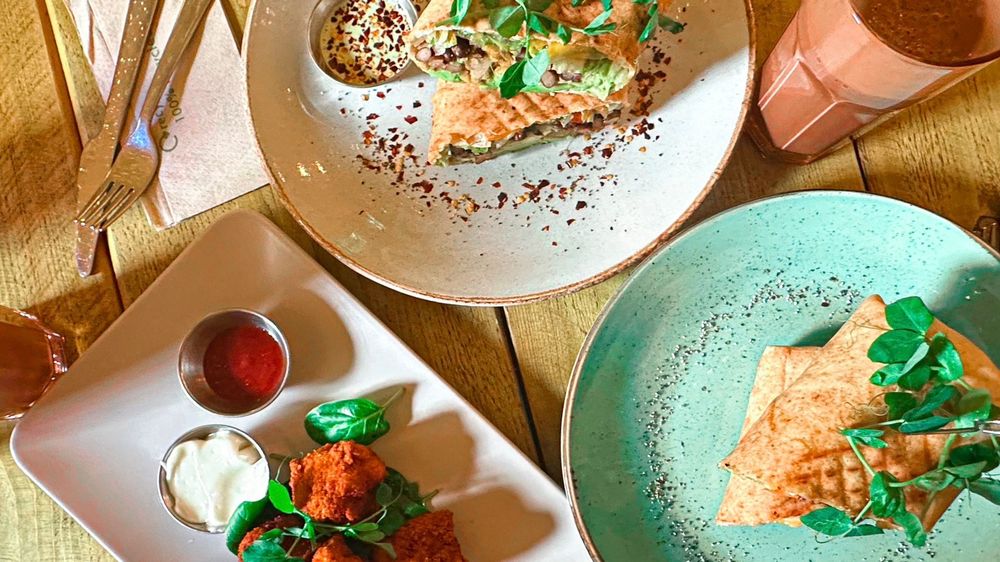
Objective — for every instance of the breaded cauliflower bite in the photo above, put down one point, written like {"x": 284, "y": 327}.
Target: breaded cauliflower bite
{"x": 335, "y": 549}
{"x": 427, "y": 538}
{"x": 337, "y": 482}
{"x": 302, "y": 550}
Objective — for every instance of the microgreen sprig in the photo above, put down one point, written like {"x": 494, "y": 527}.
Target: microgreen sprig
{"x": 657, "y": 20}
{"x": 399, "y": 500}
{"x": 913, "y": 360}
{"x": 509, "y": 20}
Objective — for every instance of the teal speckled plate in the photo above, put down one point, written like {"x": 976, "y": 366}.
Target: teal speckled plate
{"x": 660, "y": 389}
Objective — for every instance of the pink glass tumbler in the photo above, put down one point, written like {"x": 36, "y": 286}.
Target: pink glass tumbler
{"x": 32, "y": 357}
{"x": 844, "y": 66}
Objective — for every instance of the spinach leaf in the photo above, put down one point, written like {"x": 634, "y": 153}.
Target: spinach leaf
{"x": 597, "y": 26}
{"x": 917, "y": 357}
{"x": 915, "y": 379}
{"x": 987, "y": 488}
{"x": 359, "y": 420}
{"x": 966, "y": 471}
{"x": 535, "y": 67}
{"x": 265, "y": 550}
{"x": 976, "y": 452}
{"x": 947, "y": 358}
{"x": 242, "y": 521}
{"x": 934, "y": 400}
{"x": 279, "y": 497}
{"x": 671, "y": 25}
{"x": 934, "y": 481}
{"x": 459, "y": 9}
{"x": 868, "y": 437}
{"x": 886, "y": 500}
{"x": 864, "y": 530}
{"x": 925, "y": 424}
{"x": 913, "y": 527}
{"x": 541, "y": 24}
{"x": 899, "y": 403}
{"x": 650, "y": 29}
{"x": 974, "y": 406}
{"x": 909, "y": 313}
{"x": 895, "y": 346}
{"x": 828, "y": 521}
{"x": 507, "y": 20}
{"x": 887, "y": 375}
{"x": 512, "y": 81}
{"x": 538, "y": 5}
{"x": 564, "y": 33}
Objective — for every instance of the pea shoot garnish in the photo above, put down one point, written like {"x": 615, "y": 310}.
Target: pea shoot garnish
{"x": 399, "y": 501}
{"x": 927, "y": 369}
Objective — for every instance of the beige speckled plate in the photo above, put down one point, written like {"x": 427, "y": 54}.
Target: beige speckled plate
{"x": 349, "y": 165}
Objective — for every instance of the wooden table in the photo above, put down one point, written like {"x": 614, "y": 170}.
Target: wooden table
{"x": 512, "y": 363}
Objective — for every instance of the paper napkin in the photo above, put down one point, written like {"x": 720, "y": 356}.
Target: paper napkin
{"x": 209, "y": 155}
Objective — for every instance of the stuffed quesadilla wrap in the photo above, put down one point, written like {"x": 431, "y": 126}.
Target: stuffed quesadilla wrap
{"x": 579, "y": 57}
{"x": 472, "y": 125}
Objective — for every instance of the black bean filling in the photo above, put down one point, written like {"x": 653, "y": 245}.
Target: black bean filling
{"x": 463, "y": 55}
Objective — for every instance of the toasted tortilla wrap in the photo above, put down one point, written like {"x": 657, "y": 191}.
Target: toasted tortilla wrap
{"x": 795, "y": 448}
{"x": 472, "y": 125}
{"x": 746, "y": 502}
{"x": 474, "y": 52}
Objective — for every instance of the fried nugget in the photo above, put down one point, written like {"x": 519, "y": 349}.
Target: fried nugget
{"x": 427, "y": 538}
{"x": 337, "y": 482}
{"x": 335, "y": 550}
{"x": 302, "y": 550}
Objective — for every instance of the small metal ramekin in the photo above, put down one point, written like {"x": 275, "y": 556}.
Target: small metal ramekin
{"x": 190, "y": 363}
{"x": 318, "y": 19}
{"x": 201, "y": 432}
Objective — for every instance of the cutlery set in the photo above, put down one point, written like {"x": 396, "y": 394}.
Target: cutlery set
{"x": 111, "y": 180}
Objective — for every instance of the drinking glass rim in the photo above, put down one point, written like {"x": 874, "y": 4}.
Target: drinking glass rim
{"x": 973, "y": 62}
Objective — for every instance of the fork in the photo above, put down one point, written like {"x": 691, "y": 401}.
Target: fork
{"x": 136, "y": 165}
{"x": 988, "y": 427}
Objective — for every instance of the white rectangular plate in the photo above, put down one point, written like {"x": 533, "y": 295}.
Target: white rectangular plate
{"x": 94, "y": 443}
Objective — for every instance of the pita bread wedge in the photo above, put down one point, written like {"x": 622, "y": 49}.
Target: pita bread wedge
{"x": 474, "y": 52}
{"x": 472, "y": 125}
{"x": 795, "y": 448}
{"x": 746, "y": 502}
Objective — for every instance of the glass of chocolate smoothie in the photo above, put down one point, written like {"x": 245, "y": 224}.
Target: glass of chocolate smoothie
{"x": 844, "y": 66}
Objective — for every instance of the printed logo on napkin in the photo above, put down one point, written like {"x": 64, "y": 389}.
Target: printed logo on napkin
{"x": 203, "y": 126}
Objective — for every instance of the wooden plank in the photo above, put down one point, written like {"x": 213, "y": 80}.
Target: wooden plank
{"x": 39, "y": 151}
{"x": 943, "y": 155}
{"x": 547, "y": 336}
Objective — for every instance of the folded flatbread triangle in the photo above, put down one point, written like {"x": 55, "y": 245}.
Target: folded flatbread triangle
{"x": 747, "y": 502}
{"x": 795, "y": 448}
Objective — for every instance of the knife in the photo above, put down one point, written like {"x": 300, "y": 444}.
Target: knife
{"x": 99, "y": 152}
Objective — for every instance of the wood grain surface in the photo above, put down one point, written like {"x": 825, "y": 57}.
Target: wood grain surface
{"x": 39, "y": 152}
{"x": 944, "y": 155}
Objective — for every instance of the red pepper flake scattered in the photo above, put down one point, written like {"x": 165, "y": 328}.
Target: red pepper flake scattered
{"x": 570, "y": 222}
{"x": 497, "y": 184}
{"x": 416, "y": 104}
{"x": 502, "y": 200}
{"x": 363, "y": 41}
{"x": 380, "y": 95}
{"x": 410, "y": 119}
{"x": 372, "y": 116}
{"x": 581, "y": 205}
